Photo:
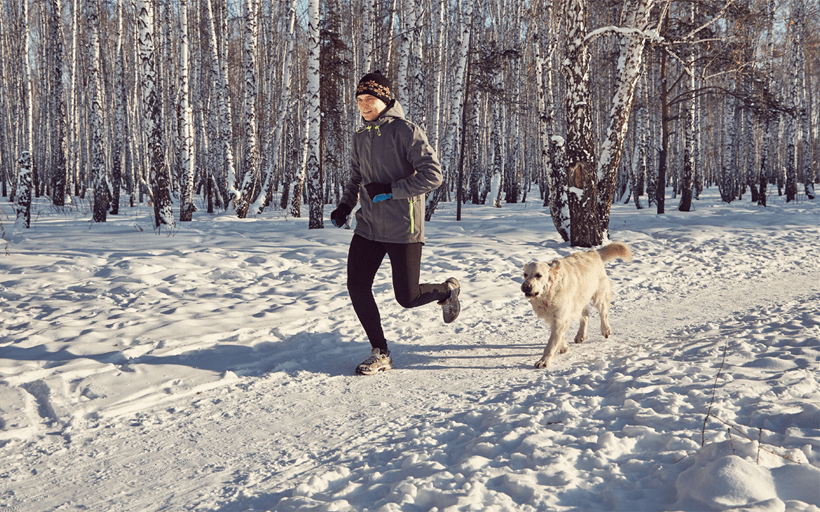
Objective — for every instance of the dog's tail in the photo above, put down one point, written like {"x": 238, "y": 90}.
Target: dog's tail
{"x": 615, "y": 251}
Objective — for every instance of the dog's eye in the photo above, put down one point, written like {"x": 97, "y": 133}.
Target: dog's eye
{"x": 538, "y": 276}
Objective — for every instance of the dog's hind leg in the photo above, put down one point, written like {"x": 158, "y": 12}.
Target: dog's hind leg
{"x": 581, "y": 335}
{"x": 602, "y": 299}
{"x": 555, "y": 343}
{"x": 603, "y": 310}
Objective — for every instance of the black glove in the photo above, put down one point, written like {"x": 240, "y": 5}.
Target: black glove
{"x": 339, "y": 215}
{"x": 379, "y": 191}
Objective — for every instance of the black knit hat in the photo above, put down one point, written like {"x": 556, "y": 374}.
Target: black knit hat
{"x": 376, "y": 85}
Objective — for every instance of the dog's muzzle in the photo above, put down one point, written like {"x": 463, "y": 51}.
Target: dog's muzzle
{"x": 527, "y": 289}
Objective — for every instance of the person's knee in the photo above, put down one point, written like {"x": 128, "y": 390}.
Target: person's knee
{"x": 406, "y": 300}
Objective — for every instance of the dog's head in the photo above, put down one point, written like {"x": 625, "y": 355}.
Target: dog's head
{"x": 539, "y": 278}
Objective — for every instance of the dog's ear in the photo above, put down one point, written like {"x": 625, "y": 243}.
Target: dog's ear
{"x": 555, "y": 267}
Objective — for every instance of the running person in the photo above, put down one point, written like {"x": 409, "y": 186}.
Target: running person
{"x": 392, "y": 167}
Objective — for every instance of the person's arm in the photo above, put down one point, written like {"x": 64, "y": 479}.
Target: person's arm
{"x": 423, "y": 158}
{"x": 350, "y": 191}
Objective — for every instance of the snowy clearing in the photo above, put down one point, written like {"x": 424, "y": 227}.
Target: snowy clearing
{"x": 211, "y": 369}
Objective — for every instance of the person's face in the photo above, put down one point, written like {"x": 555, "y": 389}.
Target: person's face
{"x": 370, "y": 106}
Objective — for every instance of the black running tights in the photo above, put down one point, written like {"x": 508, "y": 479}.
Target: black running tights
{"x": 363, "y": 261}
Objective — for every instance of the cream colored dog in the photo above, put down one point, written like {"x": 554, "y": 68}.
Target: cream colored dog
{"x": 560, "y": 291}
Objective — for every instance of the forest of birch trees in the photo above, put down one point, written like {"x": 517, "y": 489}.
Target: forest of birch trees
{"x": 195, "y": 106}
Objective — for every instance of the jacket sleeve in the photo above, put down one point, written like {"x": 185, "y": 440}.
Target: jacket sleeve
{"x": 350, "y": 191}
{"x": 424, "y": 161}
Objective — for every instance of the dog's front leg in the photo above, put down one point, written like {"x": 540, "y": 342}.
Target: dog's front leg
{"x": 581, "y": 335}
{"x": 555, "y": 343}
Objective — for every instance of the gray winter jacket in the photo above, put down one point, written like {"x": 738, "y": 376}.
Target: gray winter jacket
{"x": 392, "y": 150}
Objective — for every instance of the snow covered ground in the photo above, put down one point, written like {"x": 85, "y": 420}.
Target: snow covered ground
{"x": 211, "y": 368}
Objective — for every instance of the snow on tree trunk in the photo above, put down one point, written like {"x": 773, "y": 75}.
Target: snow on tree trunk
{"x": 276, "y": 138}
{"x": 250, "y": 166}
{"x": 313, "y": 164}
{"x": 98, "y": 170}
{"x": 152, "y": 116}
{"x": 457, "y": 99}
{"x": 630, "y": 63}
{"x": 186, "y": 121}
{"x": 59, "y": 172}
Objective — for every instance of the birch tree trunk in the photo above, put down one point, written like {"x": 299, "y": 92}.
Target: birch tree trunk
{"x": 276, "y": 139}
{"x": 367, "y": 37}
{"x": 152, "y": 116}
{"x": 23, "y": 195}
{"x": 497, "y": 143}
{"x": 768, "y": 124}
{"x": 120, "y": 121}
{"x": 582, "y": 180}
{"x": 630, "y": 63}
{"x": 220, "y": 155}
{"x": 73, "y": 110}
{"x": 297, "y": 185}
{"x": 6, "y": 151}
{"x": 225, "y": 117}
{"x": 28, "y": 112}
{"x": 313, "y": 162}
{"x": 688, "y": 117}
{"x": 438, "y": 78}
{"x": 59, "y": 172}
{"x": 98, "y": 170}
{"x": 250, "y": 155}
{"x": 186, "y": 121}
{"x": 805, "y": 122}
{"x": 405, "y": 43}
{"x": 793, "y": 104}
{"x": 457, "y": 104}
{"x": 416, "y": 72}
{"x": 726, "y": 186}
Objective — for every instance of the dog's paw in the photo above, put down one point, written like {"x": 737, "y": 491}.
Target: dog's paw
{"x": 565, "y": 348}
{"x": 578, "y": 339}
{"x": 542, "y": 363}
{"x": 606, "y": 332}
